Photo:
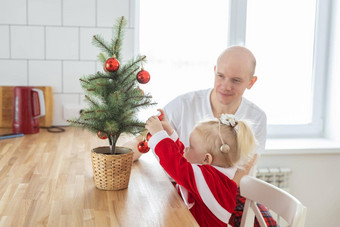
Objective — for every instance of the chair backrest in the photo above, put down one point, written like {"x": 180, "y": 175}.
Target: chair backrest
{"x": 275, "y": 199}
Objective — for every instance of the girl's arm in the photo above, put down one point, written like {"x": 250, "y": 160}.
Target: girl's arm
{"x": 165, "y": 123}
{"x": 171, "y": 159}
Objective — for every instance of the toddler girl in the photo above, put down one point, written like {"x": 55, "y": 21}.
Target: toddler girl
{"x": 204, "y": 170}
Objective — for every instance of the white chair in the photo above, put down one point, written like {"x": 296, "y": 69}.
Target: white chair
{"x": 272, "y": 197}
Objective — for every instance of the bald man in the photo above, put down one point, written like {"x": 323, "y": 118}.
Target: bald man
{"x": 234, "y": 73}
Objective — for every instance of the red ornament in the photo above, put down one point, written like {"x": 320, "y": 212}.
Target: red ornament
{"x": 143, "y": 76}
{"x": 111, "y": 65}
{"x": 148, "y": 136}
{"x": 102, "y": 135}
{"x": 143, "y": 147}
{"x": 160, "y": 116}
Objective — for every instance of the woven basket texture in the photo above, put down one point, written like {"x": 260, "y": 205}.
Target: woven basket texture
{"x": 111, "y": 172}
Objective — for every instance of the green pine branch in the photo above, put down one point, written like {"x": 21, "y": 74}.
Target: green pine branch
{"x": 140, "y": 59}
{"x": 117, "y": 41}
{"x": 133, "y": 72}
{"x": 102, "y": 58}
{"x": 92, "y": 101}
{"x": 100, "y": 75}
{"x": 84, "y": 124}
{"x": 98, "y": 41}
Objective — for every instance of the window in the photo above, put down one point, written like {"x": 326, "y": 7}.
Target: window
{"x": 289, "y": 39}
{"x": 182, "y": 40}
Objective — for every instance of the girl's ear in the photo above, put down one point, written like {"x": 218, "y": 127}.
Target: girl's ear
{"x": 207, "y": 159}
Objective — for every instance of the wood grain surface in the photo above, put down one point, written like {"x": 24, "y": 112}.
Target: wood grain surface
{"x": 46, "y": 179}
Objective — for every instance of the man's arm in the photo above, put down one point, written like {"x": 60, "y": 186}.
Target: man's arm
{"x": 245, "y": 171}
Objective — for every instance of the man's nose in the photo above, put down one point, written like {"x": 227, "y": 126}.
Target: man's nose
{"x": 227, "y": 85}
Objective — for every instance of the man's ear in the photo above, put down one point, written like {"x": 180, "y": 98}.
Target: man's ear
{"x": 252, "y": 82}
{"x": 207, "y": 159}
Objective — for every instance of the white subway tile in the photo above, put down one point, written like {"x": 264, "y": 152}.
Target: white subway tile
{"x": 79, "y": 12}
{"x": 72, "y": 72}
{"x": 45, "y": 73}
{"x": 134, "y": 13}
{"x": 59, "y": 100}
{"x": 62, "y": 43}
{"x": 109, "y": 10}
{"x": 44, "y": 12}
{"x": 13, "y": 12}
{"x": 27, "y": 42}
{"x": 4, "y": 44}
{"x": 87, "y": 50}
{"x": 99, "y": 66}
{"x": 128, "y": 45}
{"x": 13, "y": 72}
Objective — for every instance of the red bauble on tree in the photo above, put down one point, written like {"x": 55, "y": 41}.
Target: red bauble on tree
{"x": 111, "y": 65}
{"x": 143, "y": 76}
{"x": 102, "y": 135}
{"x": 143, "y": 147}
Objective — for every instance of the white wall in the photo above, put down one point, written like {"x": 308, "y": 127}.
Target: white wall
{"x": 314, "y": 180}
{"x": 48, "y": 43}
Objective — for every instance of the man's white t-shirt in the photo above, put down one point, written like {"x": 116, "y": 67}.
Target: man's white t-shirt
{"x": 185, "y": 111}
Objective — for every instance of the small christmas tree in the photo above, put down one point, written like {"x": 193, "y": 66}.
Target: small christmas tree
{"x": 114, "y": 95}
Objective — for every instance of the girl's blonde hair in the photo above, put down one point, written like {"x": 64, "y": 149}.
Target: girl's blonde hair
{"x": 229, "y": 145}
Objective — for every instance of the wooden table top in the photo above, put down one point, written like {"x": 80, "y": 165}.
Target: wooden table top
{"x": 46, "y": 179}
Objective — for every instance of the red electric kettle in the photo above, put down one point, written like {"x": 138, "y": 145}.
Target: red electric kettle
{"x": 28, "y": 106}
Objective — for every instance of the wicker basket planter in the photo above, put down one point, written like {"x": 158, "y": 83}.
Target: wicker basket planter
{"x": 111, "y": 172}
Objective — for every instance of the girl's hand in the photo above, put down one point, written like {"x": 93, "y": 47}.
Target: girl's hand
{"x": 153, "y": 125}
{"x": 165, "y": 123}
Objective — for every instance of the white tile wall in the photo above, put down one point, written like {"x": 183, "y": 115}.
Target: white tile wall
{"x": 45, "y": 73}
{"x": 87, "y": 50}
{"x": 99, "y": 66}
{"x": 59, "y": 100}
{"x": 49, "y": 43}
{"x": 128, "y": 45}
{"x": 13, "y": 72}
{"x": 62, "y": 43}
{"x": 13, "y": 12}
{"x": 4, "y": 44}
{"x": 79, "y": 12}
{"x": 109, "y": 10}
{"x": 73, "y": 71}
{"x": 47, "y": 12}
{"x": 27, "y": 42}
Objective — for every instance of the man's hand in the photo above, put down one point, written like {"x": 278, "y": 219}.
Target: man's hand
{"x": 245, "y": 171}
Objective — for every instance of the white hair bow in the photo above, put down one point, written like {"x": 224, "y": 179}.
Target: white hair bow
{"x": 228, "y": 119}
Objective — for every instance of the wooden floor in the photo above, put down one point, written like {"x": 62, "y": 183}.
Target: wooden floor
{"x": 46, "y": 179}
